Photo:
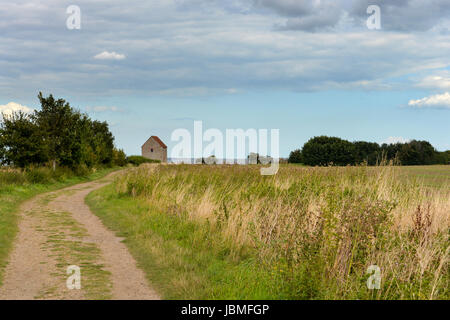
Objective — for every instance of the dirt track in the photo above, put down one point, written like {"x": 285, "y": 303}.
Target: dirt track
{"x": 57, "y": 230}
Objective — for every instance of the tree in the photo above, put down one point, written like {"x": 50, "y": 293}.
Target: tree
{"x": 21, "y": 141}
{"x": 417, "y": 153}
{"x": 331, "y": 150}
{"x": 391, "y": 151}
{"x": 56, "y": 133}
{"x": 120, "y": 159}
{"x": 102, "y": 142}
{"x": 58, "y": 122}
{"x": 368, "y": 152}
{"x": 295, "y": 156}
{"x": 442, "y": 157}
{"x": 323, "y": 150}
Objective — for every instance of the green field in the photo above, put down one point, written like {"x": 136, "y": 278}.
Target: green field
{"x": 226, "y": 232}
{"x": 430, "y": 176}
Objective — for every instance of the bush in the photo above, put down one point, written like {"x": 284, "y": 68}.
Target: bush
{"x": 62, "y": 173}
{"x": 82, "y": 171}
{"x": 295, "y": 156}
{"x": 38, "y": 175}
{"x": 120, "y": 159}
{"x": 138, "y": 160}
{"x": 11, "y": 176}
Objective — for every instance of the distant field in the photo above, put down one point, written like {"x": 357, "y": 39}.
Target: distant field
{"x": 432, "y": 176}
{"x": 429, "y": 176}
{"x": 226, "y": 232}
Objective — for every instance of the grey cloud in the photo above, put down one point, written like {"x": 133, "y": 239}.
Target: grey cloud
{"x": 317, "y": 22}
{"x": 183, "y": 51}
{"x": 399, "y": 15}
{"x": 305, "y": 15}
{"x": 288, "y": 7}
{"x": 406, "y": 15}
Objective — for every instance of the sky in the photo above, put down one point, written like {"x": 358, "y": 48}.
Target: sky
{"x": 307, "y": 68}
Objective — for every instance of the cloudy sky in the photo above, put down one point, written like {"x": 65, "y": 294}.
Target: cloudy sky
{"x": 305, "y": 67}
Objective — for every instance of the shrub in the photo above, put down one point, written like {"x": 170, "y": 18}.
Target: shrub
{"x": 120, "y": 159}
{"x": 295, "y": 156}
{"x": 82, "y": 170}
{"x": 62, "y": 173}
{"x": 38, "y": 175}
{"x": 11, "y": 176}
{"x": 138, "y": 160}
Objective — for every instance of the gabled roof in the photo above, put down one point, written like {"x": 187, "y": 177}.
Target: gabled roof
{"x": 158, "y": 140}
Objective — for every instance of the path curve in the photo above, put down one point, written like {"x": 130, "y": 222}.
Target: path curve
{"x": 57, "y": 229}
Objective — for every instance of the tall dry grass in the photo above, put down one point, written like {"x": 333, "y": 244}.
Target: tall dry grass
{"x": 322, "y": 226}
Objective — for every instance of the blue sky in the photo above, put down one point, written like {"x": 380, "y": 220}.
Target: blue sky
{"x": 305, "y": 67}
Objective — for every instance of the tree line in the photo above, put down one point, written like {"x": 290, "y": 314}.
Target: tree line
{"x": 56, "y": 135}
{"x": 324, "y": 151}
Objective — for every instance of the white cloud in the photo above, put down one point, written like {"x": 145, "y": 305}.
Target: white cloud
{"x": 436, "y": 81}
{"x": 11, "y": 107}
{"x": 232, "y": 91}
{"x": 105, "y": 55}
{"x": 103, "y": 109}
{"x": 435, "y": 101}
{"x": 394, "y": 140}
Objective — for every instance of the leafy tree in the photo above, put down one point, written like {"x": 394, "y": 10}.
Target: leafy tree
{"x": 442, "y": 157}
{"x": 21, "y": 141}
{"x": 417, "y": 153}
{"x": 322, "y": 151}
{"x": 102, "y": 142}
{"x": 59, "y": 134}
{"x": 295, "y": 156}
{"x": 368, "y": 152}
{"x": 391, "y": 151}
{"x": 60, "y": 126}
{"x": 331, "y": 150}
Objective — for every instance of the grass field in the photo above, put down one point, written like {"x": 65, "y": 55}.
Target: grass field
{"x": 226, "y": 232}
{"x": 17, "y": 186}
{"x": 428, "y": 176}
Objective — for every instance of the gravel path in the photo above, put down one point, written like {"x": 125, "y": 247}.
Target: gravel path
{"x": 57, "y": 230}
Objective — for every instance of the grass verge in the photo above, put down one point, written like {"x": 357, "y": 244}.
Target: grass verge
{"x": 177, "y": 256}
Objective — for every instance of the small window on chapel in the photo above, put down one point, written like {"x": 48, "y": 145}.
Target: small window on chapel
{"x": 151, "y": 150}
